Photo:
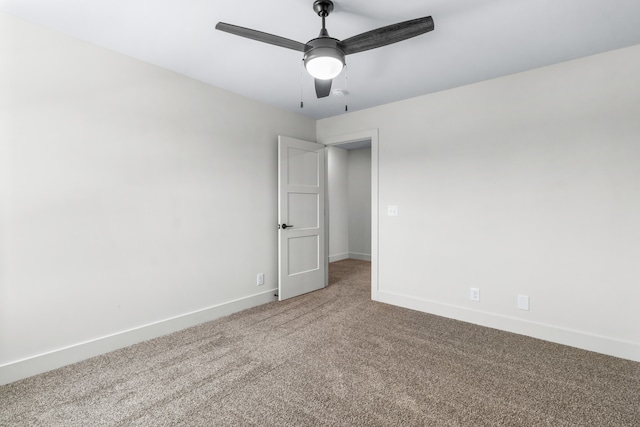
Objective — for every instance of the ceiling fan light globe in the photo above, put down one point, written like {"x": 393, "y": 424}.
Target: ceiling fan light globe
{"x": 324, "y": 67}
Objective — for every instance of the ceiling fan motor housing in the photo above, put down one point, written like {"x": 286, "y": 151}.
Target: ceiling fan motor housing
{"x": 324, "y": 47}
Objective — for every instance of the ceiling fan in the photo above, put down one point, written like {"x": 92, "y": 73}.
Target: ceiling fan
{"x": 324, "y": 56}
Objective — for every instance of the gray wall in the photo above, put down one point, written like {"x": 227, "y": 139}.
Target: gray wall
{"x": 527, "y": 184}
{"x": 135, "y": 201}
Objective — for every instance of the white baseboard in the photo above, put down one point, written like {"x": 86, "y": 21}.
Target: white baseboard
{"x": 350, "y": 255}
{"x": 362, "y": 257}
{"x": 338, "y": 257}
{"x": 38, "y": 364}
{"x": 596, "y": 343}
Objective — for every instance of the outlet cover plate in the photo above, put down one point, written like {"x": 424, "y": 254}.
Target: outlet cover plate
{"x": 523, "y": 302}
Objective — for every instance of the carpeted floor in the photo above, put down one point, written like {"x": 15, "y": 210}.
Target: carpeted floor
{"x": 333, "y": 358}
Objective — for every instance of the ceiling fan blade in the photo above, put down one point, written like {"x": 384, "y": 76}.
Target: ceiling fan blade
{"x": 323, "y": 88}
{"x": 387, "y": 35}
{"x": 260, "y": 36}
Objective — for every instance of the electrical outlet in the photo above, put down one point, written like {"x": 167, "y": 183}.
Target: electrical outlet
{"x": 523, "y": 302}
{"x": 260, "y": 279}
{"x": 392, "y": 210}
{"x": 474, "y": 294}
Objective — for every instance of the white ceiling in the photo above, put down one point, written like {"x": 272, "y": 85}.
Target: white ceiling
{"x": 473, "y": 40}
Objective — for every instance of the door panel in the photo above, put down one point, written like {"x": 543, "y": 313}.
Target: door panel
{"x": 303, "y": 254}
{"x": 303, "y": 210}
{"x": 303, "y": 166}
{"x": 301, "y": 245}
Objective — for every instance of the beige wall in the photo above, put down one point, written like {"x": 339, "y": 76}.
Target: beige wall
{"x": 134, "y": 201}
{"x": 527, "y": 184}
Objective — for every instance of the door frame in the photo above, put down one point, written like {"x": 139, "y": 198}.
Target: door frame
{"x": 338, "y": 140}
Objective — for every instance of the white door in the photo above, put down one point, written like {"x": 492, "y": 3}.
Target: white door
{"x": 301, "y": 239}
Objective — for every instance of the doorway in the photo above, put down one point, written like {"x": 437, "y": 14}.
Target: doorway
{"x": 352, "y": 200}
{"x": 349, "y": 200}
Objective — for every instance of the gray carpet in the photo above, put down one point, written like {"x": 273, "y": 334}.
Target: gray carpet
{"x": 333, "y": 358}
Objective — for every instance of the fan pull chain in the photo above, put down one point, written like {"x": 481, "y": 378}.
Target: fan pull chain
{"x": 301, "y": 82}
{"x": 346, "y": 88}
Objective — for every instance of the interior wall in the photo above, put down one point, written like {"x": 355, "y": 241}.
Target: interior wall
{"x": 134, "y": 201}
{"x": 359, "y": 206}
{"x": 523, "y": 185}
{"x": 338, "y": 202}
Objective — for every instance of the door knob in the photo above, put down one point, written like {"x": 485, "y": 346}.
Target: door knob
{"x": 285, "y": 226}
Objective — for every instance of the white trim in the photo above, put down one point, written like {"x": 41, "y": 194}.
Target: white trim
{"x": 371, "y": 134}
{"x": 597, "y": 343}
{"x": 338, "y": 257}
{"x": 362, "y": 257}
{"x": 19, "y": 369}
